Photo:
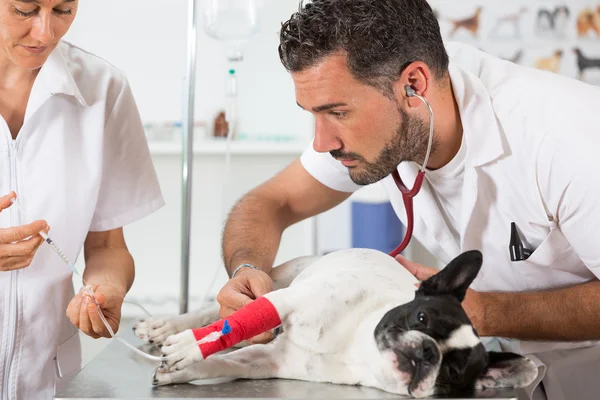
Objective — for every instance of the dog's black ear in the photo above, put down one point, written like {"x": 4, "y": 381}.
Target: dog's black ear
{"x": 455, "y": 278}
{"x": 507, "y": 370}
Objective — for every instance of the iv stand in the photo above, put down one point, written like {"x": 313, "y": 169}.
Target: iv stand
{"x": 187, "y": 157}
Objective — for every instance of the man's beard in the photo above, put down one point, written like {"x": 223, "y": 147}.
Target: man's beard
{"x": 408, "y": 144}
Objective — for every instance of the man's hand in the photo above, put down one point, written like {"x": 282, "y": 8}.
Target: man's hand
{"x": 472, "y": 304}
{"x": 83, "y": 312}
{"x": 248, "y": 285}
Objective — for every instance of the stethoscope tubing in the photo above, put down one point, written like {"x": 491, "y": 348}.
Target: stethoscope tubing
{"x": 409, "y": 194}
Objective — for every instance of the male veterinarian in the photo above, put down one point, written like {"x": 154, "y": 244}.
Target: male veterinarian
{"x": 512, "y": 144}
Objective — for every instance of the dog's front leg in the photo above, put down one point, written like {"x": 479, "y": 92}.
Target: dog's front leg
{"x": 254, "y": 362}
{"x": 157, "y": 330}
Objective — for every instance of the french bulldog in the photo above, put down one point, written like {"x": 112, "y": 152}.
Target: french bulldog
{"x": 353, "y": 317}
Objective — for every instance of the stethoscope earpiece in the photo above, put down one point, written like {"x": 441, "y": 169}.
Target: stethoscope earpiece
{"x": 410, "y": 92}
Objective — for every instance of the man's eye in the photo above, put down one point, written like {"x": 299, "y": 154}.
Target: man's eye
{"x": 338, "y": 114}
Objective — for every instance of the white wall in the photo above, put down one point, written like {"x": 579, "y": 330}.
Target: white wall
{"x": 148, "y": 38}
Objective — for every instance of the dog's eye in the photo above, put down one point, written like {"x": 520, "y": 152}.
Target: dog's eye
{"x": 422, "y": 317}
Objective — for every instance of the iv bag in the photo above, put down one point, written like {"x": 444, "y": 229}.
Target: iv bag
{"x": 230, "y": 20}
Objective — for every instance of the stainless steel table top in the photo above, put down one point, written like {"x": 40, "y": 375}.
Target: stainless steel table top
{"x": 119, "y": 373}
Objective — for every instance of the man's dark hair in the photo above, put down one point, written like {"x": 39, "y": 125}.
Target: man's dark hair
{"x": 381, "y": 38}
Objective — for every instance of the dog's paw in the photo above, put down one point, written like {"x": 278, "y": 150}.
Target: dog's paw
{"x": 180, "y": 350}
{"x": 162, "y": 377}
{"x": 155, "y": 330}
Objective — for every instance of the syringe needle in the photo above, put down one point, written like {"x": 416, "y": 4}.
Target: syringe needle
{"x": 57, "y": 249}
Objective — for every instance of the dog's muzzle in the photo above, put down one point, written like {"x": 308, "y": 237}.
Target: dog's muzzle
{"x": 416, "y": 355}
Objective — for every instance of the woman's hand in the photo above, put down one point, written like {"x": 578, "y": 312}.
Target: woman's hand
{"x": 83, "y": 312}
{"x": 19, "y": 244}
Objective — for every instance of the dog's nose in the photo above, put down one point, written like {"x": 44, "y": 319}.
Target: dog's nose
{"x": 428, "y": 352}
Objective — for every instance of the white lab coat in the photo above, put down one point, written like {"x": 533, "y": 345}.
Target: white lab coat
{"x": 81, "y": 162}
{"x": 532, "y": 142}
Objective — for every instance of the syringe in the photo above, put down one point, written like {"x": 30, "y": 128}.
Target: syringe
{"x": 60, "y": 253}
{"x": 88, "y": 288}
{"x": 53, "y": 245}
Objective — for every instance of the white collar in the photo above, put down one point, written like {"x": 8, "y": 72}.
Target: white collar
{"x": 481, "y": 128}
{"x": 56, "y": 77}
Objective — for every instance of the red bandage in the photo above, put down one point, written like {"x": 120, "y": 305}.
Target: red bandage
{"x": 251, "y": 320}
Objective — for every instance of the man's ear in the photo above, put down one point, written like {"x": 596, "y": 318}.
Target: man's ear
{"x": 507, "y": 370}
{"x": 455, "y": 278}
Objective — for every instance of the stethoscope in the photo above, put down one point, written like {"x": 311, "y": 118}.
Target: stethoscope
{"x": 518, "y": 252}
{"x": 407, "y": 195}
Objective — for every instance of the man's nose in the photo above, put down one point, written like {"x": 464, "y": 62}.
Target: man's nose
{"x": 42, "y": 29}
{"x": 326, "y": 138}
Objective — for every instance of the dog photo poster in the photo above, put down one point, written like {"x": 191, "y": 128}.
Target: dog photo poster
{"x": 561, "y": 37}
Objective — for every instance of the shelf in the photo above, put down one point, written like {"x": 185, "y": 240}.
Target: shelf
{"x": 244, "y": 147}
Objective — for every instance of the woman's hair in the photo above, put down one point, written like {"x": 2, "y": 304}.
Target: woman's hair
{"x": 380, "y": 37}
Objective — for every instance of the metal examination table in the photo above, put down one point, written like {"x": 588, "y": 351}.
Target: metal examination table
{"x": 118, "y": 373}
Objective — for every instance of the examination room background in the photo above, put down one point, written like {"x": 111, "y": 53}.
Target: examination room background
{"x": 147, "y": 39}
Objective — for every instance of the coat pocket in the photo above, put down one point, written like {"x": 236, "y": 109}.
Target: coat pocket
{"x": 67, "y": 360}
{"x": 553, "y": 264}
{"x": 554, "y": 252}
